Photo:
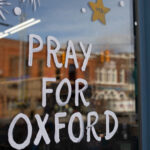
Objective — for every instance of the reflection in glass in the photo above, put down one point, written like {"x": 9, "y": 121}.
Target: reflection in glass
{"x": 110, "y": 73}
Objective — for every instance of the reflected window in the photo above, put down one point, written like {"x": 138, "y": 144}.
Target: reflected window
{"x": 28, "y": 70}
{"x": 101, "y": 76}
{"x": 40, "y": 67}
{"x": 114, "y": 76}
{"x": 72, "y": 72}
{"x": 14, "y": 65}
{"x": 86, "y": 73}
{"x": 58, "y": 74}
{"x": 122, "y": 76}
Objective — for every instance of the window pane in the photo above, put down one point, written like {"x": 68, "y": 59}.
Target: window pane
{"x": 68, "y": 29}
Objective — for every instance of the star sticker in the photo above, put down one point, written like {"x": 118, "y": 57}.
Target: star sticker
{"x": 99, "y": 11}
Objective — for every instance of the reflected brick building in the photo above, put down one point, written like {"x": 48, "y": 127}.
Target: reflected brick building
{"x": 109, "y": 76}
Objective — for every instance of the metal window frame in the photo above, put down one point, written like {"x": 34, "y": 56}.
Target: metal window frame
{"x": 142, "y": 8}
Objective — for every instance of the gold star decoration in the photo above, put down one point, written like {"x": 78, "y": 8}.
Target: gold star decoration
{"x": 99, "y": 11}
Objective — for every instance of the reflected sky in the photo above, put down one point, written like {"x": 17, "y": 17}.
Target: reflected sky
{"x": 64, "y": 20}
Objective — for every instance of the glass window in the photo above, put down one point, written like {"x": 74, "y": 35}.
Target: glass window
{"x": 62, "y": 58}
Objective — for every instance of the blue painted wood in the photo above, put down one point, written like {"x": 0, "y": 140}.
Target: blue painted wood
{"x": 144, "y": 64}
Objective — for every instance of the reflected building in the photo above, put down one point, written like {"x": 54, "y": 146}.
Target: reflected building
{"x": 114, "y": 85}
{"x": 109, "y": 75}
